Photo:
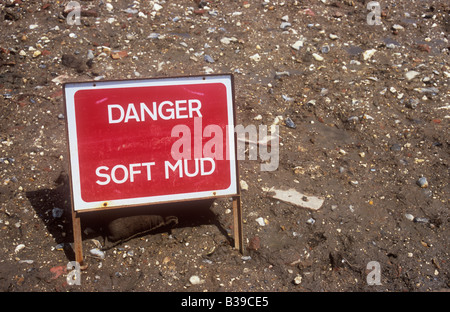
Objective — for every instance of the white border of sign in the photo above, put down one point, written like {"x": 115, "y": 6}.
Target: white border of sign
{"x": 69, "y": 92}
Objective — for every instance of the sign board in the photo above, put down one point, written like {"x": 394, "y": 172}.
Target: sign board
{"x": 146, "y": 141}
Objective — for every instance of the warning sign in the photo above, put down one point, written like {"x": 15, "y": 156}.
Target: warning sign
{"x": 136, "y": 142}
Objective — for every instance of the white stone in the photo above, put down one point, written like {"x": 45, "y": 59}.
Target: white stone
{"x": 317, "y": 57}
{"x": 411, "y": 74}
{"x": 368, "y": 54}
{"x": 19, "y": 248}
{"x": 244, "y": 185}
{"x": 260, "y": 221}
{"x": 195, "y": 280}
{"x": 256, "y": 57}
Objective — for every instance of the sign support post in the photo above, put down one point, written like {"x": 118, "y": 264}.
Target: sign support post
{"x": 237, "y": 224}
{"x": 77, "y": 239}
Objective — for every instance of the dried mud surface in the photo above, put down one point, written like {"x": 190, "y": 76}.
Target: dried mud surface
{"x": 364, "y": 134}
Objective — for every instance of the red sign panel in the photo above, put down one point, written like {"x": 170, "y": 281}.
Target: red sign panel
{"x": 137, "y": 142}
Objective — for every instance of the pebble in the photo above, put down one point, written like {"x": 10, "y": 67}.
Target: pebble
{"x": 19, "y": 248}
{"x": 411, "y": 74}
{"x": 97, "y": 252}
{"x": 256, "y": 57}
{"x": 57, "y": 213}
{"x": 409, "y": 216}
{"x": 317, "y": 57}
{"x": 311, "y": 221}
{"x": 368, "y": 54}
{"x": 325, "y": 49}
{"x": 244, "y": 185}
{"x": 397, "y": 27}
{"x": 285, "y": 25}
{"x": 195, "y": 280}
{"x": 209, "y": 59}
{"x": 421, "y": 220}
{"x": 297, "y": 280}
{"x": 333, "y": 37}
{"x": 412, "y": 103}
{"x": 226, "y": 40}
{"x": 298, "y": 44}
{"x": 260, "y": 221}
{"x": 422, "y": 182}
{"x": 289, "y": 123}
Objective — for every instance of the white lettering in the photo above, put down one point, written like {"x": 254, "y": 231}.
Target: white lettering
{"x": 110, "y": 114}
{"x": 165, "y": 110}
{"x": 102, "y": 175}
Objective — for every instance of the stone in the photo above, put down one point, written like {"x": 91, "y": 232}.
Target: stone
{"x": 422, "y": 182}
{"x": 296, "y": 198}
{"x": 208, "y": 59}
{"x": 195, "y": 280}
{"x": 289, "y": 123}
{"x": 397, "y": 27}
{"x": 117, "y": 55}
{"x": 368, "y": 54}
{"x": 260, "y": 221}
{"x": 298, "y": 44}
{"x": 411, "y": 74}
{"x": 412, "y": 103}
{"x": 256, "y": 57}
{"x": 298, "y": 280}
{"x": 317, "y": 57}
{"x": 285, "y": 25}
{"x": 409, "y": 216}
{"x": 97, "y": 252}
{"x": 254, "y": 243}
{"x": 244, "y": 185}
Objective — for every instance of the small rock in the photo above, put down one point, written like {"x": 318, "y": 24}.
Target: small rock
{"x": 368, "y": 54}
{"x": 256, "y": 57}
{"x": 297, "y": 280}
{"x": 298, "y": 44}
{"x": 311, "y": 221}
{"x": 422, "y": 182}
{"x": 195, "y": 280}
{"x": 317, "y": 57}
{"x": 285, "y": 25}
{"x": 289, "y": 123}
{"x": 254, "y": 243}
{"x": 421, "y": 220}
{"x": 157, "y": 7}
{"x": 333, "y": 37}
{"x": 209, "y": 59}
{"x": 57, "y": 213}
{"x": 411, "y": 74}
{"x": 116, "y": 55}
{"x": 325, "y": 49}
{"x": 244, "y": 185}
{"x": 409, "y": 216}
{"x": 260, "y": 221}
{"x": 97, "y": 252}
{"x": 397, "y": 27}
{"x": 412, "y": 103}
{"x": 19, "y": 248}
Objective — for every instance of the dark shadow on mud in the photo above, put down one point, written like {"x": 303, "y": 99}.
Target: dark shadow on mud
{"x": 119, "y": 225}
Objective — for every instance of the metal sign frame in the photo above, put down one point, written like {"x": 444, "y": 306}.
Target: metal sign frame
{"x": 80, "y": 207}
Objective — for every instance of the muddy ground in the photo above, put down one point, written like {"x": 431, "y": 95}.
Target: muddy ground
{"x": 370, "y": 108}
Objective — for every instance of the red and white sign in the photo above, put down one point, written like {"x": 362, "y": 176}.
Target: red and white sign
{"x": 136, "y": 142}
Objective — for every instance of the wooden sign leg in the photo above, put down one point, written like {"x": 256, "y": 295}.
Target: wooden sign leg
{"x": 237, "y": 224}
{"x": 77, "y": 241}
